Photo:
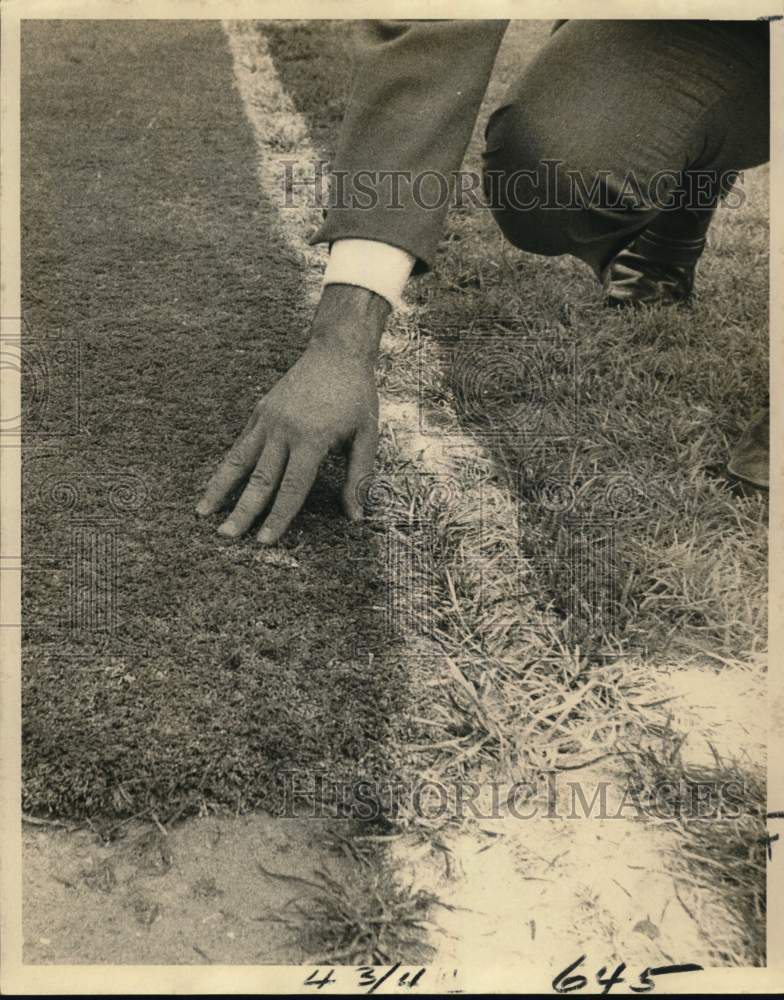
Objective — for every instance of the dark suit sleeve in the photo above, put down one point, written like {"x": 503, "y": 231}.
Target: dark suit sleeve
{"x": 417, "y": 90}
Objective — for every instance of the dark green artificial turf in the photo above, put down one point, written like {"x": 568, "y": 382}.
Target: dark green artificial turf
{"x": 147, "y": 246}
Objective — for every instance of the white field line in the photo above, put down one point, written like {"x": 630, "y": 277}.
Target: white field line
{"x": 282, "y": 136}
{"x": 277, "y": 126}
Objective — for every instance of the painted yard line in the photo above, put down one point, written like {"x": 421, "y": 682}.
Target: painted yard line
{"x": 276, "y": 125}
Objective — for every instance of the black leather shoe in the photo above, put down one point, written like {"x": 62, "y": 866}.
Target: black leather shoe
{"x": 652, "y": 270}
{"x": 750, "y": 457}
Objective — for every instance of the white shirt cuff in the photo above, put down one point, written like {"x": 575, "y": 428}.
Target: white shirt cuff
{"x": 379, "y": 267}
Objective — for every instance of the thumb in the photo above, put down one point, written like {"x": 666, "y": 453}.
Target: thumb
{"x": 360, "y": 467}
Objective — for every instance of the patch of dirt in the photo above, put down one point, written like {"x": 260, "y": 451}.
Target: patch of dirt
{"x": 193, "y": 897}
{"x": 724, "y": 708}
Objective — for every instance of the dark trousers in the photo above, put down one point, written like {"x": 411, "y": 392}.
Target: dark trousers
{"x": 622, "y": 126}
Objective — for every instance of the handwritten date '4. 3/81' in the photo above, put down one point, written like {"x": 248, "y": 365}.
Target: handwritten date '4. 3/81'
{"x": 369, "y": 977}
{"x": 570, "y": 981}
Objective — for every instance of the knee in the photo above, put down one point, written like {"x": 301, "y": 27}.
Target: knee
{"x": 525, "y": 182}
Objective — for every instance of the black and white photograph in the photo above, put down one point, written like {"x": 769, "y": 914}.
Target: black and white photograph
{"x": 388, "y": 510}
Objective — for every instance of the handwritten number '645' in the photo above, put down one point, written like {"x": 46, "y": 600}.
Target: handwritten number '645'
{"x": 566, "y": 982}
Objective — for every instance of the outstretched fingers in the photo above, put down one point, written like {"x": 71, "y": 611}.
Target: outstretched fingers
{"x": 258, "y": 492}
{"x": 233, "y": 470}
{"x": 300, "y": 475}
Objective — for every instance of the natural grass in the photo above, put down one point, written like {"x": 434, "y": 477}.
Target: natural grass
{"x": 375, "y": 923}
{"x": 660, "y": 397}
{"x": 504, "y": 685}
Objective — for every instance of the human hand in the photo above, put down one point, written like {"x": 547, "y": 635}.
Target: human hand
{"x": 325, "y": 402}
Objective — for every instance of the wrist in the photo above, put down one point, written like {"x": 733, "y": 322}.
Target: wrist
{"x": 350, "y": 317}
